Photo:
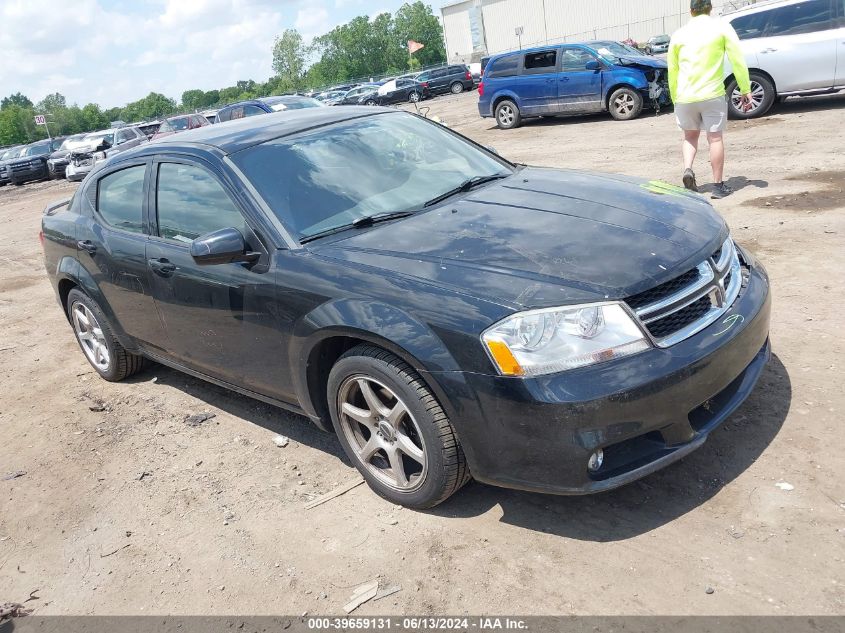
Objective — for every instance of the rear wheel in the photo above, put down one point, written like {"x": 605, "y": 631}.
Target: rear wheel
{"x": 393, "y": 429}
{"x": 414, "y": 97}
{"x": 762, "y": 97}
{"x": 625, "y": 104}
{"x": 456, "y": 88}
{"x": 99, "y": 344}
{"x": 370, "y": 102}
{"x": 507, "y": 115}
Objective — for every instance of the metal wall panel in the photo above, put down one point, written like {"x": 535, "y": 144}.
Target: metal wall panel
{"x": 554, "y": 21}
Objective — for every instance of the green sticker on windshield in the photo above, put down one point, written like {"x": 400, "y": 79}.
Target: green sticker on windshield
{"x": 665, "y": 189}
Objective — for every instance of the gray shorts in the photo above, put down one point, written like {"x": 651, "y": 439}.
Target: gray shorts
{"x": 710, "y": 115}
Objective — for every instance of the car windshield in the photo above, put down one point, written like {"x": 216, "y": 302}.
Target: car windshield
{"x": 97, "y": 138}
{"x": 178, "y": 124}
{"x": 614, "y": 49}
{"x": 292, "y": 103}
{"x": 70, "y": 143}
{"x": 388, "y": 163}
{"x": 661, "y": 39}
{"x": 38, "y": 148}
{"x": 10, "y": 153}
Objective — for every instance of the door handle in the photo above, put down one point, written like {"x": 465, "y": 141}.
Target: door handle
{"x": 162, "y": 266}
{"x": 769, "y": 50}
{"x": 87, "y": 245}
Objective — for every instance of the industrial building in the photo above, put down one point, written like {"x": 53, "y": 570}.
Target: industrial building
{"x": 475, "y": 28}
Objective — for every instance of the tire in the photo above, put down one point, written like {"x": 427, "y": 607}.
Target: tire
{"x": 120, "y": 364}
{"x": 625, "y": 104}
{"x": 414, "y": 97}
{"x": 763, "y": 95}
{"x": 370, "y": 102}
{"x": 456, "y": 88}
{"x": 507, "y": 115}
{"x": 434, "y": 466}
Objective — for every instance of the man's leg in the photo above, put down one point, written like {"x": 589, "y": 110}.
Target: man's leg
{"x": 690, "y": 147}
{"x": 717, "y": 155}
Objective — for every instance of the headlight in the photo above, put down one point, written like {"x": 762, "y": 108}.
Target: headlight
{"x": 556, "y": 339}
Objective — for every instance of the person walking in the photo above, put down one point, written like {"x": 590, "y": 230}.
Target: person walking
{"x": 696, "y": 61}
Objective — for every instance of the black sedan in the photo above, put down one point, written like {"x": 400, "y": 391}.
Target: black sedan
{"x": 396, "y": 91}
{"x": 447, "y": 313}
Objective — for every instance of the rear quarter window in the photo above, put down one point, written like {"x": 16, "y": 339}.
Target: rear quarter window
{"x": 505, "y": 66}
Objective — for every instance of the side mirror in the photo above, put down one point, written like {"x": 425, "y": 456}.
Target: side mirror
{"x": 593, "y": 65}
{"x": 224, "y": 246}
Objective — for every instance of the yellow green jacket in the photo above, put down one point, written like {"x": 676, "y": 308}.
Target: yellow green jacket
{"x": 697, "y": 59}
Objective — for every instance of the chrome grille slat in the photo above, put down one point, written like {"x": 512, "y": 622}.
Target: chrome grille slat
{"x": 719, "y": 280}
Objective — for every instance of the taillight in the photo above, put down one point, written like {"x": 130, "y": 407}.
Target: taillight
{"x": 481, "y": 89}
{"x": 468, "y": 76}
{"x": 425, "y": 84}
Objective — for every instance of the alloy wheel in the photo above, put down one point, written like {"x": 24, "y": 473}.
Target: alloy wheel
{"x": 624, "y": 104}
{"x": 382, "y": 433}
{"x": 506, "y": 115}
{"x": 90, "y": 336}
{"x": 758, "y": 94}
{"x": 414, "y": 96}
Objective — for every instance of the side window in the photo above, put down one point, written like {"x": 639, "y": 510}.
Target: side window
{"x": 125, "y": 135}
{"x": 251, "y": 110}
{"x": 190, "y": 203}
{"x": 120, "y": 198}
{"x": 540, "y": 62}
{"x": 574, "y": 59}
{"x": 806, "y": 17}
{"x": 749, "y": 27}
{"x": 440, "y": 72}
{"x": 505, "y": 66}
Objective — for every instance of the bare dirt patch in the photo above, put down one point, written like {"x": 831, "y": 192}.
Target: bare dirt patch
{"x": 829, "y": 198}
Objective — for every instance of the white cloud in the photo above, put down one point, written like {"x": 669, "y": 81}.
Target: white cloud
{"x": 312, "y": 21}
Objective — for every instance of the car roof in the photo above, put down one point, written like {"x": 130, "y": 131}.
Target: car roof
{"x": 238, "y": 134}
{"x": 758, "y": 7}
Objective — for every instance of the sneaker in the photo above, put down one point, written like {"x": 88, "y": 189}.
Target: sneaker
{"x": 689, "y": 180}
{"x": 720, "y": 190}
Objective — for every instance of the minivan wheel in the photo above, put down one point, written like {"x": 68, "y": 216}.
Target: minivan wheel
{"x": 507, "y": 115}
{"x": 99, "y": 344}
{"x": 414, "y": 97}
{"x": 393, "y": 429}
{"x": 456, "y": 88}
{"x": 625, "y": 104}
{"x": 762, "y": 97}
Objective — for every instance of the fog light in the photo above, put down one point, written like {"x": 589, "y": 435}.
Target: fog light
{"x": 595, "y": 461}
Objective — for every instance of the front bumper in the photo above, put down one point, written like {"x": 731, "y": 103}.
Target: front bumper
{"x": 75, "y": 172}
{"x": 57, "y": 168}
{"x": 645, "y": 411}
{"x": 33, "y": 172}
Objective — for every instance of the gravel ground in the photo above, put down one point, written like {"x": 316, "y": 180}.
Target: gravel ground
{"x": 126, "y": 509}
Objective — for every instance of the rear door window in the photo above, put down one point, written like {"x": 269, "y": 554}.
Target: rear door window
{"x": 540, "y": 62}
{"x": 120, "y": 198}
{"x": 805, "y": 17}
{"x": 190, "y": 202}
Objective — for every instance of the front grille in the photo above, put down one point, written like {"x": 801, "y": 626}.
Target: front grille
{"x": 680, "y": 307}
{"x": 682, "y": 318}
{"x": 21, "y": 167}
{"x": 663, "y": 290}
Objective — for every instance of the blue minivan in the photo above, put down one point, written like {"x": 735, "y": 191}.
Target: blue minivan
{"x": 571, "y": 79}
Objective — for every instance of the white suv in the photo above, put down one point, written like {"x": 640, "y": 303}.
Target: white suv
{"x": 792, "y": 47}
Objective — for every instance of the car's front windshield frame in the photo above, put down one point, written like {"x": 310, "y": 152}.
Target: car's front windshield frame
{"x": 411, "y": 176}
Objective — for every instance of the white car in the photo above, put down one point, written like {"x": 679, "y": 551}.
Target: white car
{"x": 97, "y": 147}
{"x": 792, "y": 48}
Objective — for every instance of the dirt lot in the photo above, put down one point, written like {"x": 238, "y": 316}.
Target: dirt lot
{"x": 126, "y": 509}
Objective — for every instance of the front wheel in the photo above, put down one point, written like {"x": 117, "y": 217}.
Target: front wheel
{"x": 99, "y": 344}
{"x": 394, "y": 430}
{"x": 763, "y": 95}
{"x": 370, "y": 102}
{"x": 507, "y": 115}
{"x": 414, "y": 97}
{"x": 625, "y": 104}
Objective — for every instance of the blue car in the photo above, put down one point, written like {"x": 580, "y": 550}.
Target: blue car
{"x": 571, "y": 79}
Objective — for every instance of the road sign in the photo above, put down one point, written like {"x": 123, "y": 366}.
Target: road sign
{"x": 40, "y": 119}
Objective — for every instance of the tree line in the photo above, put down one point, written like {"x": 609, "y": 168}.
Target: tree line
{"x": 360, "y": 48}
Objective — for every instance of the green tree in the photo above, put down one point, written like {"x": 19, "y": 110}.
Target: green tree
{"x": 13, "y": 128}
{"x": 289, "y": 54}
{"x": 415, "y": 21}
{"x": 51, "y": 102}
{"x": 193, "y": 99}
{"x": 16, "y": 99}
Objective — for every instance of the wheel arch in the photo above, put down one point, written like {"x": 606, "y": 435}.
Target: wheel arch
{"x": 328, "y": 332}
{"x": 757, "y": 71}
{"x": 504, "y": 96}
{"x": 613, "y": 88}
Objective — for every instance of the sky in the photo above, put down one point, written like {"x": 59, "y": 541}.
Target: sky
{"x": 111, "y": 52}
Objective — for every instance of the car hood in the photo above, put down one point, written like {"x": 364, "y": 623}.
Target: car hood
{"x": 643, "y": 60}
{"x": 545, "y": 237}
{"x": 60, "y": 154}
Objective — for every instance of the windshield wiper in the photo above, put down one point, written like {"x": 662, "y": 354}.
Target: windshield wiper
{"x": 358, "y": 223}
{"x": 465, "y": 186}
